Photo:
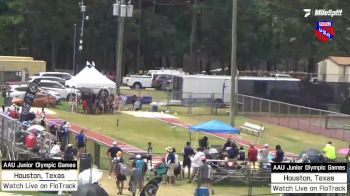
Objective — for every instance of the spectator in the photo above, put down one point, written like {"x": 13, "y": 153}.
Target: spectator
{"x": 133, "y": 179}
{"x": 85, "y": 105}
{"x": 187, "y": 153}
{"x": 228, "y": 144}
{"x": 111, "y": 154}
{"x": 42, "y": 113}
{"x": 141, "y": 169}
{"x": 329, "y": 151}
{"x": 264, "y": 154}
{"x": 171, "y": 163}
{"x": 348, "y": 155}
{"x": 64, "y": 134}
{"x": 279, "y": 154}
{"x": 252, "y": 155}
{"x": 232, "y": 152}
{"x": 241, "y": 154}
{"x": 56, "y": 150}
{"x": 196, "y": 163}
{"x": 204, "y": 175}
{"x": 204, "y": 143}
{"x": 81, "y": 140}
{"x": 304, "y": 159}
{"x": 121, "y": 172}
{"x": 69, "y": 153}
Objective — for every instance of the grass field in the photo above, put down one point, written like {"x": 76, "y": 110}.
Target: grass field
{"x": 134, "y": 131}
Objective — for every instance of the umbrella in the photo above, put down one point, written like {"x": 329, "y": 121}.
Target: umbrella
{"x": 344, "y": 151}
{"x": 314, "y": 155}
{"x": 36, "y": 127}
{"x": 84, "y": 176}
{"x": 90, "y": 190}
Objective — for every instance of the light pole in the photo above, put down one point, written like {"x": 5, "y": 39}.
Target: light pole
{"x": 74, "y": 46}
{"x": 121, "y": 10}
{"x": 83, "y": 18}
{"x": 233, "y": 63}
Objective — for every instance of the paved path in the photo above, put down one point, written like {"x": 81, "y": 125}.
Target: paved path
{"x": 238, "y": 140}
{"x": 106, "y": 140}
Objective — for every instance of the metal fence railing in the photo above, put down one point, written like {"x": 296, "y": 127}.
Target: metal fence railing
{"x": 294, "y": 116}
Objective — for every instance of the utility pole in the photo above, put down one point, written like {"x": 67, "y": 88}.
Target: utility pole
{"x": 121, "y": 11}
{"x": 233, "y": 63}
{"x": 83, "y": 18}
{"x": 74, "y": 46}
{"x": 193, "y": 36}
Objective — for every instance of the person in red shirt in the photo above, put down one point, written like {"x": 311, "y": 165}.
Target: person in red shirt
{"x": 84, "y": 106}
{"x": 252, "y": 154}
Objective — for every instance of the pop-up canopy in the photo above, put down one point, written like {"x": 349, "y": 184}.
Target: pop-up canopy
{"x": 215, "y": 126}
{"x": 90, "y": 77}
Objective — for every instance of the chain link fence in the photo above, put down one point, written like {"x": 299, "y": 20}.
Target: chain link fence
{"x": 330, "y": 124}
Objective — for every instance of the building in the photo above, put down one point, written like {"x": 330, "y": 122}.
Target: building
{"x": 15, "y": 68}
{"x": 334, "y": 69}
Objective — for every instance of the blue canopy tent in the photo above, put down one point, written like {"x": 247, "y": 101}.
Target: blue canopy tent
{"x": 214, "y": 126}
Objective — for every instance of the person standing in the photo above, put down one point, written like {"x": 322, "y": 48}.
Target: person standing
{"x": 81, "y": 141}
{"x": 196, "y": 163}
{"x": 279, "y": 154}
{"x": 42, "y": 113}
{"x": 187, "y": 153}
{"x": 111, "y": 154}
{"x": 64, "y": 134}
{"x": 141, "y": 170}
{"x": 85, "y": 105}
{"x": 121, "y": 172}
{"x": 133, "y": 179}
{"x": 252, "y": 155}
{"x": 171, "y": 163}
{"x": 149, "y": 154}
{"x": 329, "y": 151}
{"x": 204, "y": 176}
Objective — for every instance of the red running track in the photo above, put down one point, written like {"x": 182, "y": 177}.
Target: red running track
{"x": 106, "y": 140}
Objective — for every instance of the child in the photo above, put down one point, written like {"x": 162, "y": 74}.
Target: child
{"x": 241, "y": 154}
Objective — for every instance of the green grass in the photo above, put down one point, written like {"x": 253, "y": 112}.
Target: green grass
{"x": 139, "y": 131}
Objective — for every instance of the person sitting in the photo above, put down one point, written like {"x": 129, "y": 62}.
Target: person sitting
{"x": 56, "y": 150}
{"x": 228, "y": 144}
{"x": 241, "y": 154}
{"x": 279, "y": 154}
{"x": 232, "y": 152}
{"x": 264, "y": 155}
{"x": 69, "y": 153}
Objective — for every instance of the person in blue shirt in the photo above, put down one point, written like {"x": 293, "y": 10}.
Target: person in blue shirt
{"x": 81, "y": 140}
{"x": 64, "y": 134}
{"x": 141, "y": 170}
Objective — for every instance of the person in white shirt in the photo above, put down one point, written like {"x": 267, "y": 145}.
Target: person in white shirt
{"x": 264, "y": 154}
{"x": 56, "y": 150}
{"x": 196, "y": 162}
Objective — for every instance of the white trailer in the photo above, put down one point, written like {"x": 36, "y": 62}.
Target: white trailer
{"x": 203, "y": 88}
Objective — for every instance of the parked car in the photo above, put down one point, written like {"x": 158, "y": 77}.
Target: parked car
{"x": 41, "y": 100}
{"x": 51, "y": 78}
{"x": 163, "y": 82}
{"x": 63, "y": 75}
{"x": 19, "y": 91}
{"x": 65, "y": 92}
{"x": 145, "y": 81}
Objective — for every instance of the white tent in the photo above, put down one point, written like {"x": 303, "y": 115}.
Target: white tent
{"x": 90, "y": 77}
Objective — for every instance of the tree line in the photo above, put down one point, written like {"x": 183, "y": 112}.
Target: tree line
{"x": 191, "y": 34}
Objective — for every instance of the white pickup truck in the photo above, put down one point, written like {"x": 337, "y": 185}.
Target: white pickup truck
{"x": 145, "y": 81}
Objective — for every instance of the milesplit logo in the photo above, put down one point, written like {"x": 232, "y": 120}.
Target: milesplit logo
{"x": 322, "y": 12}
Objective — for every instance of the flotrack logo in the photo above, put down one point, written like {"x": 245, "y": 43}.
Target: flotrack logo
{"x": 322, "y": 12}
